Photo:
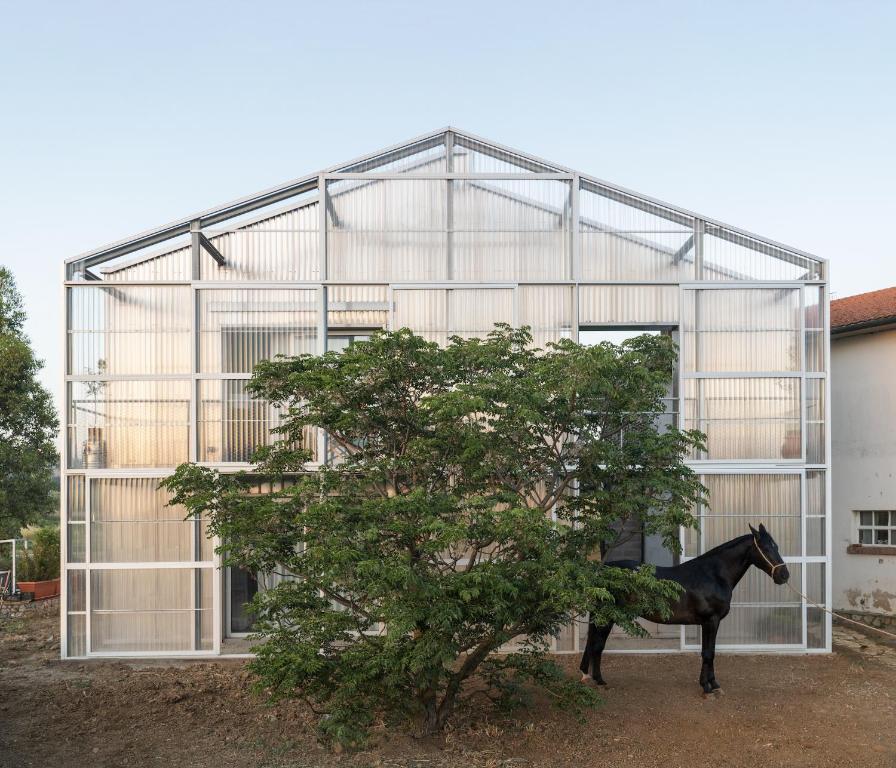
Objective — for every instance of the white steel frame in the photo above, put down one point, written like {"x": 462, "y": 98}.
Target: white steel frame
{"x": 205, "y": 223}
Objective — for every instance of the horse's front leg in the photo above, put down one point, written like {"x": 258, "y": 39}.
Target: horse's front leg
{"x": 708, "y": 656}
{"x": 594, "y": 648}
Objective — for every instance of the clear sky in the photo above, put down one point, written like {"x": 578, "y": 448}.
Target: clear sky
{"x": 778, "y": 117}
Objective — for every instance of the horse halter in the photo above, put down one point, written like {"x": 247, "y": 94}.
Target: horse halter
{"x": 770, "y": 565}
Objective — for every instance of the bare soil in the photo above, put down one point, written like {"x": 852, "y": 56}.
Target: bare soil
{"x": 794, "y": 711}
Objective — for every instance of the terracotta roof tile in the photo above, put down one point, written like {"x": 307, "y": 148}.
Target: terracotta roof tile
{"x": 863, "y": 308}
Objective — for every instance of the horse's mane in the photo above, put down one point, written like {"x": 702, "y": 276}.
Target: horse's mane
{"x": 725, "y": 545}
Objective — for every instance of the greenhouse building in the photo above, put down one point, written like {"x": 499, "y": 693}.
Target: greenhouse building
{"x": 445, "y": 234}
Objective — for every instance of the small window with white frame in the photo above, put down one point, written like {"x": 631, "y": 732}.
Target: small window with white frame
{"x": 876, "y": 527}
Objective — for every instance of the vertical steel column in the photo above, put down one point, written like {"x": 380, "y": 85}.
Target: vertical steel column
{"x": 575, "y": 251}
{"x": 449, "y": 207}
{"x": 699, "y": 231}
{"x": 63, "y": 481}
{"x": 322, "y": 297}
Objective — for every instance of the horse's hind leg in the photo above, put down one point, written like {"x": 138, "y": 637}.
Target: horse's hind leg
{"x": 594, "y": 648}
{"x": 708, "y": 655}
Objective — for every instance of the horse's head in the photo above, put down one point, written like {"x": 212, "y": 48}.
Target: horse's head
{"x": 766, "y": 556}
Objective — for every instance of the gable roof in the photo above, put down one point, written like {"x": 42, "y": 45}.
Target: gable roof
{"x": 400, "y": 158}
{"x": 865, "y": 311}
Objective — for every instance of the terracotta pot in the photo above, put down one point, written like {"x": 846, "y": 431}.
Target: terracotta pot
{"x": 40, "y": 589}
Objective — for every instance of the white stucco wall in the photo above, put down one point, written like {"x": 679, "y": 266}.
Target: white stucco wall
{"x": 863, "y": 400}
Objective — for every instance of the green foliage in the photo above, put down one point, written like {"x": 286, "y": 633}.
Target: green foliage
{"x": 28, "y": 423}
{"x": 475, "y": 484}
{"x": 40, "y": 561}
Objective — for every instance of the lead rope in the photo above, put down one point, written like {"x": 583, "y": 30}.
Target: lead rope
{"x": 812, "y": 602}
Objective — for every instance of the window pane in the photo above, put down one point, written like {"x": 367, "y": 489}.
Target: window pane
{"x": 77, "y": 542}
{"x": 746, "y": 418}
{"x": 115, "y": 330}
{"x": 151, "y": 610}
{"x": 866, "y": 518}
{"x": 865, "y": 536}
{"x": 128, "y": 424}
{"x": 239, "y": 328}
{"x": 233, "y": 423}
{"x": 75, "y": 497}
{"x": 881, "y": 518}
{"x": 130, "y": 521}
{"x": 742, "y": 330}
{"x": 739, "y": 500}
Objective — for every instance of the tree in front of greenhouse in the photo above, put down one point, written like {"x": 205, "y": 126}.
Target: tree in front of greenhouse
{"x": 469, "y": 489}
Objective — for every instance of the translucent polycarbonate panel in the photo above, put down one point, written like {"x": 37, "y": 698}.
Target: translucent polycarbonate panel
{"x": 815, "y": 582}
{"x": 628, "y": 304}
{"x": 756, "y": 418}
{"x": 76, "y": 545}
{"x": 75, "y": 497}
{"x": 474, "y": 311}
{"x": 131, "y": 522}
{"x": 357, "y": 307}
{"x": 437, "y": 314}
{"x": 750, "y": 329}
{"x": 729, "y": 255}
{"x": 510, "y": 229}
{"x": 387, "y": 230}
{"x": 815, "y": 628}
{"x": 76, "y": 585}
{"x": 756, "y": 625}
{"x": 815, "y": 421}
{"x": 814, "y": 306}
{"x": 114, "y": 424}
{"x": 144, "y": 610}
{"x": 471, "y": 156}
{"x": 736, "y": 501}
{"x": 547, "y": 310}
{"x": 240, "y": 327}
{"x": 77, "y": 635}
{"x": 717, "y": 529}
{"x": 757, "y": 587}
{"x": 816, "y": 536}
{"x": 427, "y": 156}
{"x": 624, "y": 238}
{"x": 120, "y": 330}
{"x": 816, "y": 591}
{"x": 815, "y": 492}
{"x": 425, "y": 312}
{"x": 233, "y": 423}
{"x": 285, "y": 246}
{"x": 815, "y": 350}
{"x": 172, "y": 262}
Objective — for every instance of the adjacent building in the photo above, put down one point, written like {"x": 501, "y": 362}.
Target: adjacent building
{"x": 863, "y": 394}
{"x": 444, "y": 234}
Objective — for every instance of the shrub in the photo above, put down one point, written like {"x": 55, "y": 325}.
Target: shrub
{"x": 40, "y": 561}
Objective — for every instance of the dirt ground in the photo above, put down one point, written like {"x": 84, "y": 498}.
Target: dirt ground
{"x": 793, "y": 711}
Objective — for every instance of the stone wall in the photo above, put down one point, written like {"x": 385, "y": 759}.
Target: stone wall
{"x": 881, "y": 621}
{"x": 10, "y": 609}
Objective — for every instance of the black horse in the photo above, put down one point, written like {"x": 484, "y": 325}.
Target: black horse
{"x": 708, "y": 582}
